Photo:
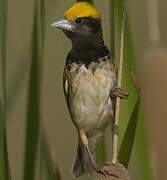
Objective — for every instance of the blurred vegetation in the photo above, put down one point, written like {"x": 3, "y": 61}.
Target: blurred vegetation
{"x": 33, "y": 107}
{"x": 38, "y": 142}
{"x": 4, "y": 164}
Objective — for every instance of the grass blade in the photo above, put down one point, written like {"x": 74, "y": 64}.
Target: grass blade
{"x": 4, "y": 166}
{"x": 33, "y": 107}
{"x": 128, "y": 140}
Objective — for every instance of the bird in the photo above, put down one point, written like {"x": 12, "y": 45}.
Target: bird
{"x": 89, "y": 82}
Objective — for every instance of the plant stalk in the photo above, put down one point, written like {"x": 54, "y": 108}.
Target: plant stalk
{"x": 120, "y": 68}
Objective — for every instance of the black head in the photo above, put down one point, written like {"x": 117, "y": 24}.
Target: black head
{"x": 82, "y": 25}
{"x": 84, "y": 28}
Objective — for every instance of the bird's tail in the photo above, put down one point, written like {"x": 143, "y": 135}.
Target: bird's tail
{"x": 82, "y": 164}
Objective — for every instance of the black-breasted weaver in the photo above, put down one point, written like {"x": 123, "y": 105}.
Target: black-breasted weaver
{"x": 89, "y": 83}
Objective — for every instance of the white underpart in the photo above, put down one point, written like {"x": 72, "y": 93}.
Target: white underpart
{"x": 90, "y": 103}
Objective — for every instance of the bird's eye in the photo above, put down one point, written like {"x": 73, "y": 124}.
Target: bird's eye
{"x": 78, "y": 20}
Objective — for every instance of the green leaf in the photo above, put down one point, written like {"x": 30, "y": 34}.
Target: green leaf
{"x": 4, "y": 166}
{"x": 129, "y": 137}
{"x": 33, "y": 107}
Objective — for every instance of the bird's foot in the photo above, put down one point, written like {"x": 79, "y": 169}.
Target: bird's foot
{"x": 113, "y": 171}
{"x": 119, "y": 92}
{"x": 104, "y": 171}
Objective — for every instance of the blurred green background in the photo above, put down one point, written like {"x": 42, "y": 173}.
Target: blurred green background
{"x": 150, "y": 58}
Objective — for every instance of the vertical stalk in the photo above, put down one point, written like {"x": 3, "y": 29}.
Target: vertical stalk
{"x": 121, "y": 58}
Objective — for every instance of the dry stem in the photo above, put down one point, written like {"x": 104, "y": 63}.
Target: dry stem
{"x": 121, "y": 57}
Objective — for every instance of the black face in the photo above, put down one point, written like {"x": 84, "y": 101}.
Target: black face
{"x": 87, "y": 41}
{"x": 84, "y": 28}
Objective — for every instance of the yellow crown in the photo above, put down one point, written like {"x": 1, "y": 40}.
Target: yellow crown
{"x": 81, "y": 9}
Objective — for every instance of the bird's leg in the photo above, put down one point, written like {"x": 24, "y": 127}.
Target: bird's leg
{"x": 119, "y": 92}
{"x": 97, "y": 168}
{"x": 84, "y": 140}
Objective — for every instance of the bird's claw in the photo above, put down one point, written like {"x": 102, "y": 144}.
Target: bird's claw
{"x": 102, "y": 170}
{"x": 119, "y": 92}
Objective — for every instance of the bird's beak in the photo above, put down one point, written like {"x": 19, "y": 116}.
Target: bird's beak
{"x": 63, "y": 24}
